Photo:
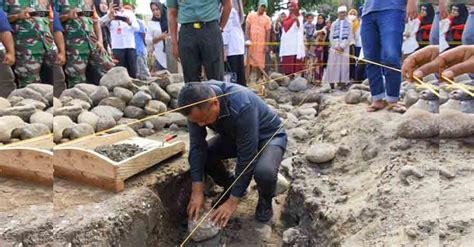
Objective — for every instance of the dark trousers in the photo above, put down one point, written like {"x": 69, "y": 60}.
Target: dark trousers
{"x": 265, "y": 172}
{"x": 236, "y": 64}
{"x": 127, "y": 58}
{"x": 199, "y": 48}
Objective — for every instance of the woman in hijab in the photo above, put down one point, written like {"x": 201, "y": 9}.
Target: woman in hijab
{"x": 320, "y": 37}
{"x": 426, "y": 21}
{"x": 292, "y": 49}
{"x": 155, "y": 36}
{"x": 459, "y": 17}
{"x": 355, "y": 46}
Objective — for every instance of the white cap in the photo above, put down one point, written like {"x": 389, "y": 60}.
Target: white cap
{"x": 342, "y": 9}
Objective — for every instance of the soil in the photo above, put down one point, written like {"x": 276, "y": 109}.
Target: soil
{"x": 119, "y": 152}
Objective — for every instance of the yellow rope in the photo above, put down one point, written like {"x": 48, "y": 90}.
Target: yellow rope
{"x": 464, "y": 87}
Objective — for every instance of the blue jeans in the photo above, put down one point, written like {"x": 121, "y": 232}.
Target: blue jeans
{"x": 382, "y": 37}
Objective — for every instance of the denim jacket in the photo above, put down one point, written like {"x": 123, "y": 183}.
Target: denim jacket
{"x": 245, "y": 119}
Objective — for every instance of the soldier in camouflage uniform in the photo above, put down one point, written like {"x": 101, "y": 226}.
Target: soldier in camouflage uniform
{"x": 33, "y": 39}
{"x": 84, "y": 46}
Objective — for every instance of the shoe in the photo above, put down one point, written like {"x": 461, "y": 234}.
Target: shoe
{"x": 264, "y": 210}
{"x": 332, "y": 85}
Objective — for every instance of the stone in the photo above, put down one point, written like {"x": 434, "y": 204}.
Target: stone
{"x": 174, "y": 89}
{"x": 81, "y": 130}
{"x": 325, "y": 89}
{"x": 124, "y": 94}
{"x": 164, "y": 78}
{"x": 369, "y": 152}
{"x": 263, "y": 231}
{"x": 178, "y": 118}
{"x": 144, "y": 89}
{"x": 307, "y": 112}
{"x": 34, "y": 130}
{"x": 298, "y": 84}
{"x": 155, "y": 107}
{"x": 273, "y": 85}
{"x": 65, "y": 100}
{"x": 61, "y": 123}
{"x": 4, "y": 103}
{"x": 271, "y": 102}
{"x": 177, "y": 78}
{"x": 299, "y": 134}
{"x": 174, "y": 128}
{"x": 116, "y": 77}
{"x": 290, "y": 236}
{"x": 27, "y": 93}
{"x": 42, "y": 118}
{"x": 134, "y": 112}
{"x": 158, "y": 93}
{"x": 88, "y": 118}
{"x": 174, "y": 103}
{"x": 281, "y": 79}
{"x": 451, "y": 104}
{"x": 455, "y": 124}
{"x": 77, "y": 102}
{"x": 14, "y": 100}
{"x": 71, "y": 111}
{"x": 291, "y": 121}
{"x": 140, "y": 99}
{"x": 41, "y": 88}
{"x": 366, "y": 82}
{"x": 105, "y": 110}
{"x": 282, "y": 184}
{"x": 24, "y": 112}
{"x": 105, "y": 122}
{"x": 353, "y": 97}
{"x": 100, "y": 94}
{"x": 282, "y": 95}
{"x": 206, "y": 230}
{"x": 287, "y": 167}
{"x": 321, "y": 153}
{"x": 49, "y": 97}
{"x": 144, "y": 132}
{"x": 7, "y": 125}
{"x": 361, "y": 87}
{"x": 160, "y": 122}
{"x": 75, "y": 93}
{"x": 114, "y": 102}
{"x": 411, "y": 97}
{"x": 86, "y": 88}
{"x": 418, "y": 124}
{"x": 38, "y": 105}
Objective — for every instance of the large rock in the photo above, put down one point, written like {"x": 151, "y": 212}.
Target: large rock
{"x": 71, "y": 111}
{"x": 41, "y": 88}
{"x": 411, "y": 97}
{"x": 124, "y": 94}
{"x": 27, "y": 93}
{"x": 282, "y": 95}
{"x": 273, "y": 85}
{"x": 281, "y": 79}
{"x": 7, "y": 125}
{"x": 88, "y": 118}
{"x": 33, "y": 130}
{"x": 178, "y": 119}
{"x": 455, "y": 124}
{"x": 24, "y": 112}
{"x": 140, "y": 99}
{"x": 105, "y": 122}
{"x": 353, "y": 96}
{"x": 134, "y": 112}
{"x": 81, "y": 130}
{"x": 100, "y": 94}
{"x": 311, "y": 112}
{"x": 4, "y": 103}
{"x": 105, "y": 110}
{"x": 76, "y": 93}
{"x": 77, "y": 102}
{"x": 282, "y": 184}
{"x": 145, "y": 89}
{"x": 49, "y": 97}
{"x": 174, "y": 89}
{"x": 159, "y": 94}
{"x": 155, "y": 107}
{"x": 418, "y": 124}
{"x": 298, "y": 84}
{"x": 42, "y": 118}
{"x": 57, "y": 103}
{"x": 164, "y": 78}
{"x": 37, "y": 104}
{"x": 61, "y": 123}
{"x": 160, "y": 122}
{"x": 86, "y": 88}
{"x": 359, "y": 87}
{"x": 116, "y": 77}
{"x": 114, "y": 102}
{"x": 321, "y": 153}
{"x": 206, "y": 230}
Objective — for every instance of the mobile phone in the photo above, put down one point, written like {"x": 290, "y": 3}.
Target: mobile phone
{"x": 121, "y": 18}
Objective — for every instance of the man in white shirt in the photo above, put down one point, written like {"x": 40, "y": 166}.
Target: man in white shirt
{"x": 123, "y": 25}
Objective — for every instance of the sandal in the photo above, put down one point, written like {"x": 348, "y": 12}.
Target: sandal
{"x": 396, "y": 107}
{"x": 374, "y": 108}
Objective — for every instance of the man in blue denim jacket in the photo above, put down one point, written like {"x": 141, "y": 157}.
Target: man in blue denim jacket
{"x": 244, "y": 124}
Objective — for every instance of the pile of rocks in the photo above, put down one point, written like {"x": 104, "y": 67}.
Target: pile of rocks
{"x": 119, "y": 99}
{"x": 26, "y": 113}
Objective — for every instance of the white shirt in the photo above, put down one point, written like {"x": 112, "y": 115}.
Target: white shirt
{"x": 233, "y": 35}
{"x": 443, "y": 30}
{"x": 122, "y": 34}
{"x": 410, "y": 44}
{"x": 154, "y": 30}
{"x": 292, "y": 42}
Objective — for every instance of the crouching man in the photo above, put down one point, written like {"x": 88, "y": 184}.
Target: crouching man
{"x": 243, "y": 124}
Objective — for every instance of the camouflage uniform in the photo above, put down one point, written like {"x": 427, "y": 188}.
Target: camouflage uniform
{"x": 34, "y": 42}
{"x": 80, "y": 43}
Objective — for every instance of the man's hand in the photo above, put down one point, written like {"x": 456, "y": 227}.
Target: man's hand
{"x": 61, "y": 59}
{"x": 196, "y": 203}
{"x": 225, "y": 211}
{"x": 457, "y": 61}
{"x": 100, "y": 47}
{"x": 176, "y": 51}
{"x": 9, "y": 59}
{"x": 160, "y": 37}
{"x": 421, "y": 63}
{"x": 411, "y": 10}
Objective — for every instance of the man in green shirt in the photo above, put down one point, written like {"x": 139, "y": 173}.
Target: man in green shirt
{"x": 200, "y": 37}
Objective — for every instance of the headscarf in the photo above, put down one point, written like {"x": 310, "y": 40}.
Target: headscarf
{"x": 288, "y": 22}
{"x": 320, "y": 26}
{"x": 355, "y": 22}
{"x": 462, "y": 17}
{"x": 428, "y": 19}
{"x": 158, "y": 4}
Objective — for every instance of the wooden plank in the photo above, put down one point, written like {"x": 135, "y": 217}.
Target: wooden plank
{"x": 149, "y": 158}
{"x": 101, "y": 140}
{"x": 25, "y": 175}
{"x": 82, "y": 160}
{"x": 27, "y": 159}
{"x": 91, "y": 179}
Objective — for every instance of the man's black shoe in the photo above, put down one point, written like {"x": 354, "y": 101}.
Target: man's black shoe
{"x": 264, "y": 211}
